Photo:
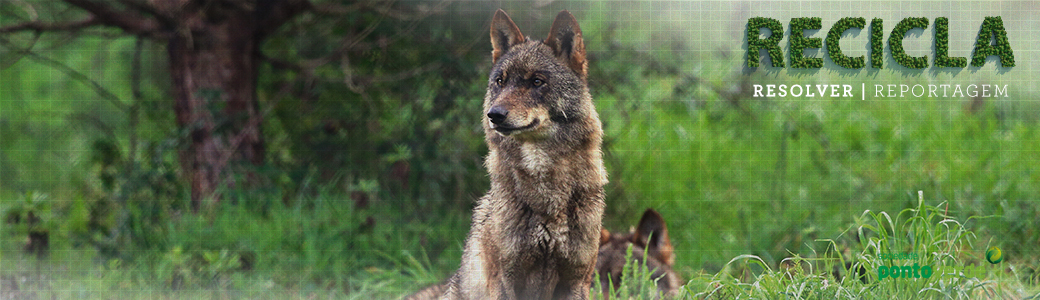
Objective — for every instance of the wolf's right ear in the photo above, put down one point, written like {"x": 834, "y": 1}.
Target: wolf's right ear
{"x": 504, "y": 35}
{"x": 567, "y": 43}
{"x": 652, "y": 233}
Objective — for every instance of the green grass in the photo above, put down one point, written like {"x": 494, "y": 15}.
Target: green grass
{"x": 925, "y": 230}
{"x": 302, "y": 257}
{"x": 320, "y": 248}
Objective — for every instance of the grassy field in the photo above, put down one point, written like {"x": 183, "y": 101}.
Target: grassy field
{"x": 303, "y": 257}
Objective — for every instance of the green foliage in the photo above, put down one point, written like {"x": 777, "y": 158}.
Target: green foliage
{"x": 895, "y": 43}
{"x": 32, "y": 215}
{"x": 993, "y": 29}
{"x": 798, "y": 43}
{"x": 178, "y": 269}
{"x": 393, "y": 109}
{"x": 834, "y": 48}
{"x": 771, "y": 44}
{"x": 136, "y": 197}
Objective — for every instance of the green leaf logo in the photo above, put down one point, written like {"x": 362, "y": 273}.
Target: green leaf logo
{"x": 993, "y": 255}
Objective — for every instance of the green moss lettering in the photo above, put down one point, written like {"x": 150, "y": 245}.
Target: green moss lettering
{"x": 834, "y": 49}
{"x": 942, "y": 46}
{"x": 895, "y": 43}
{"x": 877, "y": 59}
{"x": 771, "y": 43}
{"x": 993, "y": 29}
{"x": 798, "y": 43}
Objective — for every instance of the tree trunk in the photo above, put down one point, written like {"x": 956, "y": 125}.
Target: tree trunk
{"x": 213, "y": 50}
{"x": 213, "y": 66}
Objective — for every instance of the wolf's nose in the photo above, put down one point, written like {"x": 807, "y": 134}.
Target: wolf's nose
{"x": 497, "y": 114}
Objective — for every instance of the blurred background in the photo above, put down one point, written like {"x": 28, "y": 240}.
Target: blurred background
{"x": 287, "y": 148}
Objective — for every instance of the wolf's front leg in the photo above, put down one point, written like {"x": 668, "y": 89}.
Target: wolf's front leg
{"x": 575, "y": 290}
{"x": 575, "y": 287}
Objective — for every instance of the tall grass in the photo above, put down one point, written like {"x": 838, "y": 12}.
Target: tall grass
{"x": 319, "y": 247}
{"x": 927, "y": 231}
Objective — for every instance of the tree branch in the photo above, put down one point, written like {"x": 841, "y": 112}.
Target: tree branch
{"x": 146, "y": 8}
{"x": 130, "y": 22}
{"x": 384, "y": 8}
{"x": 44, "y": 26}
{"x": 280, "y": 12}
{"x": 72, "y": 73}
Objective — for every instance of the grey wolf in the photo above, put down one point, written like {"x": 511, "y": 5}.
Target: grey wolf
{"x": 535, "y": 234}
{"x": 650, "y": 246}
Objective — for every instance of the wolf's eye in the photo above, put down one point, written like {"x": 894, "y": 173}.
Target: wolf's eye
{"x": 499, "y": 81}
{"x": 537, "y": 82}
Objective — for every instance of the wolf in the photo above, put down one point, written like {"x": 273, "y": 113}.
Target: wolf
{"x": 535, "y": 234}
{"x": 650, "y": 246}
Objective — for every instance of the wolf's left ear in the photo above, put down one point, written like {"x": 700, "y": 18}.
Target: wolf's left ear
{"x": 504, "y": 35}
{"x": 652, "y": 233}
{"x": 566, "y": 41}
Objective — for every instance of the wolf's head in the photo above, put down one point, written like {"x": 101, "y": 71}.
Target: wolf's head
{"x": 650, "y": 245}
{"x": 536, "y": 88}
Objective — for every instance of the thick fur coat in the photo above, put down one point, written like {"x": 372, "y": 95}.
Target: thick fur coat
{"x": 535, "y": 235}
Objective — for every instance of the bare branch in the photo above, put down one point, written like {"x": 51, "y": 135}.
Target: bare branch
{"x": 130, "y": 22}
{"x": 44, "y": 26}
{"x": 143, "y": 7}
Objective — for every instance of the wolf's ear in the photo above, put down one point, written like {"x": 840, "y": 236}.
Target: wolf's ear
{"x": 504, "y": 35}
{"x": 566, "y": 41}
{"x": 653, "y": 234}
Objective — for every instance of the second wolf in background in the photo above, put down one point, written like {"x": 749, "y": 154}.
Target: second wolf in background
{"x": 650, "y": 246}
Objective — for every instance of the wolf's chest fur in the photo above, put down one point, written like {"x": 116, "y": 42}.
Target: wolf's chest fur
{"x": 547, "y": 202}
{"x": 538, "y": 234}
{"x": 534, "y": 160}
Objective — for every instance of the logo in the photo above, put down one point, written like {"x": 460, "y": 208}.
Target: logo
{"x": 992, "y": 41}
{"x": 994, "y": 255}
{"x": 905, "y": 271}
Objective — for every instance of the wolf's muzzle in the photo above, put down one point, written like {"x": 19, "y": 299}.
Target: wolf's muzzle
{"x": 497, "y": 115}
